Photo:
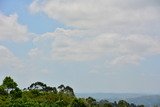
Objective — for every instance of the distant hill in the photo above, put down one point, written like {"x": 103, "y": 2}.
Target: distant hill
{"x": 147, "y": 100}
{"x": 109, "y": 96}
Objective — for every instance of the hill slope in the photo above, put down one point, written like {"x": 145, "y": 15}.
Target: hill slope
{"x": 147, "y": 100}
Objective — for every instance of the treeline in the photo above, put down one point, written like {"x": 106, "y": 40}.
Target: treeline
{"x": 39, "y": 94}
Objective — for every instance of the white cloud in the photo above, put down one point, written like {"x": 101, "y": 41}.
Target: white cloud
{"x": 34, "y": 53}
{"x": 72, "y": 45}
{"x": 11, "y": 30}
{"x": 8, "y": 60}
{"x": 116, "y": 31}
{"x": 101, "y": 13}
{"x": 127, "y": 59}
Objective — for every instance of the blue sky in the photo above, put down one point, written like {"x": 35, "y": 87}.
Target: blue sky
{"x": 93, "y": 46}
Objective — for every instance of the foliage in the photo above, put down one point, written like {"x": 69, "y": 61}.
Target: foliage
{"x": 2, "y": 90}
{"x": 17, "y": 93}
{"x": 9, "y": 84}
{"x": 123, "y": 103}
{"x": 39, "y": 94}
{"x": 77, "y": 103}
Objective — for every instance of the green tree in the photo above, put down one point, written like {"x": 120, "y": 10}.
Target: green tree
{"x": 35, "y": 93}
{"x": 50, "y": 89}
{"x": 91, "y": 101}
{"x": 77, "y": 103}
{"x": 2, "y": 90}
{"x": 142, "y": 106}
{"x": 68, "y": 90}
{"x": 38, "y": 85}
{"x": 61, "y": 88}
{"x": 60, "y": 103}
{"x": 17, "y": 93}
{"x": 9, "y": 83}
{"x": 42, "y": 87}
{"x": 123, "y": 103}
{"x": 107, "y": 105}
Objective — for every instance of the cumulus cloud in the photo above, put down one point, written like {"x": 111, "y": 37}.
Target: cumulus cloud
{"x": 118, "y": 31}
{"x": 101, "y": 13}
{"x": 8, "y": 59}
{"x": 72, "y": 45}
{"x": 11, "y": 30}
{"x": 33, "y": 52}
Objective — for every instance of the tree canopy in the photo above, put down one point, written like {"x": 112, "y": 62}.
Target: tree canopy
{"x": 38, "y": 94}
{"x": 9, "y": 83}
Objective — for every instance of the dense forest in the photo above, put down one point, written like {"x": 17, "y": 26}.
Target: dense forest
{"x": 39, "y": 94}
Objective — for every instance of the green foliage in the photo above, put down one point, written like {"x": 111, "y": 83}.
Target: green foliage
{"x": 9, "y": 83}
{"x": 38, "y": 85}
{"x": 35, "y": 93}
{"x": 17, "y": 93}
{"x": 3, "y": 91}
{"x": 123, "y": 103}
{"x": 42, "y": 87}
{"x": 41, "y": 95}
{"x": 141, "y": 106}
{"x": 107, "y": 105}
{"x": 77, "y": 103}
{"x": 91, "y": 101}
{"x": 67, "y": 90}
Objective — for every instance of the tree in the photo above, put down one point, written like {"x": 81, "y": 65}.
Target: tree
{"x": 77, "y": 103}
{"x": 38, "y": 85}
{"x": 91, "y": 101}
{"x": 9, "y": 84}
{"x": 17, "y": 93}
{"x": 69, "y": 90}
{"x": 123, "y": 103}
{"x": 35, "y": 93}
{"x": 50, "y": 89}
{"x": 61, "y": 88}
{"x": 60, "y": 103}
{"x": 107, "y": 105}
{"x": 3, "y": 91}
{"x": 42, "y": 87}
{"x": 141, "y": 106}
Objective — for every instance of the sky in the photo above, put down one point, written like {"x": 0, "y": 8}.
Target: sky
{"x": 110, "y": 46}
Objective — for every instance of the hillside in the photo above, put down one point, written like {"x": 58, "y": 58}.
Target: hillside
{"x": 147, "y": 100}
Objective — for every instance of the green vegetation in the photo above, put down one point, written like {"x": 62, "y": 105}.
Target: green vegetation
{"x": 39, "y": 94}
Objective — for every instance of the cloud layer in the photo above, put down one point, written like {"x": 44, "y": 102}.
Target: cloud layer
{"x": 72, "y": 45}
{"x": 119, "y": 32}
{"x": 8, "y": 60}
{"x": 102, "y": 13}
{"x": 11, "y": 30}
